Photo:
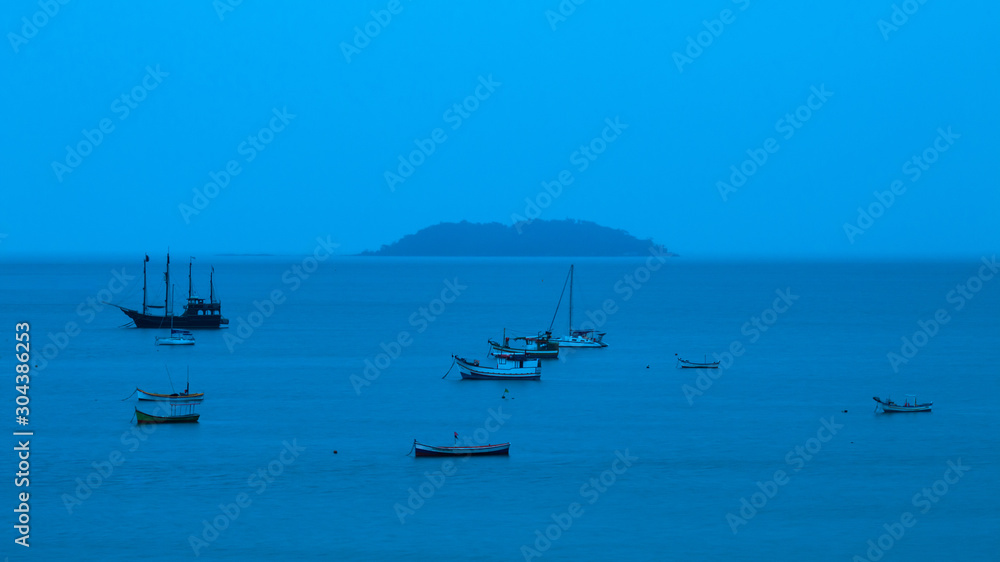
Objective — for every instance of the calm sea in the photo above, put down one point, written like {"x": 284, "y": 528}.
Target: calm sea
{"x": 615, "y": 453}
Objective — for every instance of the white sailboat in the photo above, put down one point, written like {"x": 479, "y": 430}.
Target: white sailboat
{"x": 575, "y": 338}
{"x": 176, "y": 337}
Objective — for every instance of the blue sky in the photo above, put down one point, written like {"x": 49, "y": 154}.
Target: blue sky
{"x": 311, "y": 116}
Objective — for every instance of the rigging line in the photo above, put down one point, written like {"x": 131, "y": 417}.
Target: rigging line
{"x": 130, "y": 395}
{"x": 169, "y": 379}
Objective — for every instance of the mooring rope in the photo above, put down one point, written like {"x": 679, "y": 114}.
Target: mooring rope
{"x": 450, "y": 368}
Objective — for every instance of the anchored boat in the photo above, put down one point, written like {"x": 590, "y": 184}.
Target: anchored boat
{"x": 177, "y": 397}
{"x": 197, "y": 313}
{"x": 538, "y": 347}
{"x": 685, "y": 364}
{"x": 421, "y": 450}
{"x": 909, "y": 405}
{"x": 176, "y": 337}
{"x": 575, "y": 338}
{"x": 509, "y": 367}
{"x": 185, "y": 397}
{"x": 144, "y": 418}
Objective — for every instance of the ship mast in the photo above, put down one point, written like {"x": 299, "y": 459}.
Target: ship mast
{"x": 211, "y": 286}
{"x": 190, "y": 286}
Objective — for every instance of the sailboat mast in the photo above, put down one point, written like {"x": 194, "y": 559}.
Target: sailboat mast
{"x": 144, "y": 284}
{"x": 571, "y": 300}
{"x": 166, "y": 277}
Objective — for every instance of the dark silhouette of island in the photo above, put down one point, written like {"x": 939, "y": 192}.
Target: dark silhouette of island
{"x": 535, "y": 238}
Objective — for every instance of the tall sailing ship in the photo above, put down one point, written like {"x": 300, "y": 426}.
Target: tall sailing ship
{"x": 197, "y": 314}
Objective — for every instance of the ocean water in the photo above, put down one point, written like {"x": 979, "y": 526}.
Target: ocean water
{"x": 615, "y": 453}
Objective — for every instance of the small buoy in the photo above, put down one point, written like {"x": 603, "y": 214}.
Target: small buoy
{"x": 335, "y": 452}
{"x": 647, "y": 366}
{"x": 845, "y": 411}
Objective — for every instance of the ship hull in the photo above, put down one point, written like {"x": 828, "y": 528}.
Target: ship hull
{"x": 183, "y": 322}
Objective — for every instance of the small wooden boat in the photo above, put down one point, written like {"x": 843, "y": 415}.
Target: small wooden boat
{"x": 176, "y": 337}
{"x": 509, "y": 367}
{"x": 182, "y": 397}
{"x": 421, "y": 450}
{"x": 538, "y": 347}
{"x": 143, "y": 418}
{"x": 685, "y": 364}
{"x": 909, "y": 405}
{"x": 185, "y": 397}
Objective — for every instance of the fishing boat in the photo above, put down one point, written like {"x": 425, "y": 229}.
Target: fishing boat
{"x": 537, "y": 347}
{"x": 509, "y": 367}
{"x": 176, "y": 337}
{"x": 421, "y": 450}
{"x": 144, "y": 418}
{"x": 685, "y": 364}
{"x": 909, "y": 405}
{"x": 575, "y": 337}
{"x": 197, "y": 314}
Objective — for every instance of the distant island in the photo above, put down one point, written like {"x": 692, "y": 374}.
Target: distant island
{"x": 535, "y": 238}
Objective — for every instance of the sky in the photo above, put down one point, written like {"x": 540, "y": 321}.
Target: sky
{"x": 721, "y": 129}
